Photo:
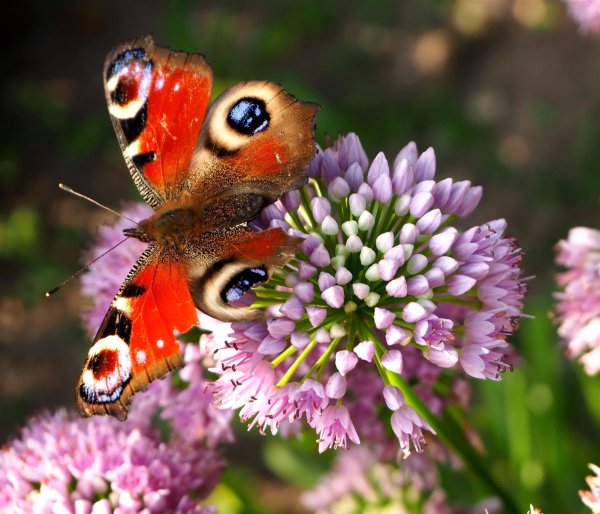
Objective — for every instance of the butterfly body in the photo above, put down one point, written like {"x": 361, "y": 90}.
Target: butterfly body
{"x": 206, "y": 171}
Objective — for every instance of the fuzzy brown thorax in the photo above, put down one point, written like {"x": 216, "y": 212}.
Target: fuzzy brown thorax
{"x": 170, "y": 223}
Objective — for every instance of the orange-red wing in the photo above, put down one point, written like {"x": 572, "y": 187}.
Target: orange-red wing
{"x": 157, "y": 99}
{"x": 136, "y": 343}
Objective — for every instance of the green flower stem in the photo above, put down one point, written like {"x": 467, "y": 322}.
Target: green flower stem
{"x": 304, "y": 325}
{"x": 475, "y": 303}
{"x": 446, "y": 428}
{"x": 299, "y": 360}
{"x": 317, "y": 184}
{"x": 262, "y": 304}
{"x": 264, "y": 294}
{"x": 295, "y": 217}
{"x": 288, "y": 352}
{"x": 277, "y": 279}
{"x": 371, "y": 234}
{"x": 307, "y": 207}
{"x": 382, "y": 220}
{"x": 323, "y": 359}
{"x": 351, "y": 333}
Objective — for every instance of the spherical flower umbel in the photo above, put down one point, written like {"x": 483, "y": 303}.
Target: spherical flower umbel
{"x": 578, "y": 307}
{"x": 61, "y": 463}
{"x": 383, "y": 285}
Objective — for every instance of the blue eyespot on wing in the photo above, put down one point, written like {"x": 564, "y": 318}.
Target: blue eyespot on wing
{"x": 249, "y": 116}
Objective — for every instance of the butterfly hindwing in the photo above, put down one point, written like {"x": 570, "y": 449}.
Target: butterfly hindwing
{"x": 255, "y": 145}
{"x": 244, "y": 260}
{"x": 136, "y": 343}
{"x": 157, "y": 99}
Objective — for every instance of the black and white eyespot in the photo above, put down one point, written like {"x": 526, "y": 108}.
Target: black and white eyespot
{"x": 239, "y": 114}
{"x": 107, "y": 371}
{"x": 128, "y": 81}
{"x": 224, "y": 283}
{"x": 249, "y": 116}
{"x": 242, "y": 281}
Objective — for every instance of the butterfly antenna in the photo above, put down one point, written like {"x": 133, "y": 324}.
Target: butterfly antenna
{"x": 73, "y": 192}
{"x": 79, "y": 272}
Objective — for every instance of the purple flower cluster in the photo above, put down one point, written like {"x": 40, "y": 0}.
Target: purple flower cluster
{"x": 586, "y": 13}
{"x": 185, "y": 401}
{"x": 383, "y": 285}
{"x": 578, "y": 307}
{"x": 591, "y": 498}
{"x": 361, "y": 481}
{"x": 65, "y": 464}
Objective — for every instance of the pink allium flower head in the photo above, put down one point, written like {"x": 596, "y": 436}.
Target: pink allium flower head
{"x": 362, "y": 480}
{"x": 383, "y": 284}
{"x": 578, "y": 306}
{"x": 591, "y": 498}
{"x": 586, "y": 13}
{"x": 65, "y": 464}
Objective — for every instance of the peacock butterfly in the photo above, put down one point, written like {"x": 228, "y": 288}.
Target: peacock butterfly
{"x": 205, "y": 170}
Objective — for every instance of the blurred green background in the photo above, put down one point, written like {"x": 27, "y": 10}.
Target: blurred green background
{"x": 506, "y": 91}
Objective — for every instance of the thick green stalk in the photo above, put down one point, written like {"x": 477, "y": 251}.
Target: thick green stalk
{"x": 450, "y": 432}
{"x": 446, "y": 428}
{"x": 299, "y": 360}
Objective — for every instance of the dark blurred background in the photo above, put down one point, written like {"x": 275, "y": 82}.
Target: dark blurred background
{"x": 506, "y": 91}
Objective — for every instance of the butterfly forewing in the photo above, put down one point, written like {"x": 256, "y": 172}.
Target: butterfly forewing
{"x": 157, "y": 99}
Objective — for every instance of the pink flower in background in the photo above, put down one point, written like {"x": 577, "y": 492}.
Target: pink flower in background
{"x": 361, "y": 481}
{"x": 383, "y": 284}
{"x": 586, "y": 13}
{"x": 578, "y": 307}
{"x": 185, "y": 401}
{"x": 591, "y": 498}
{"x": 61, "y": 463}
